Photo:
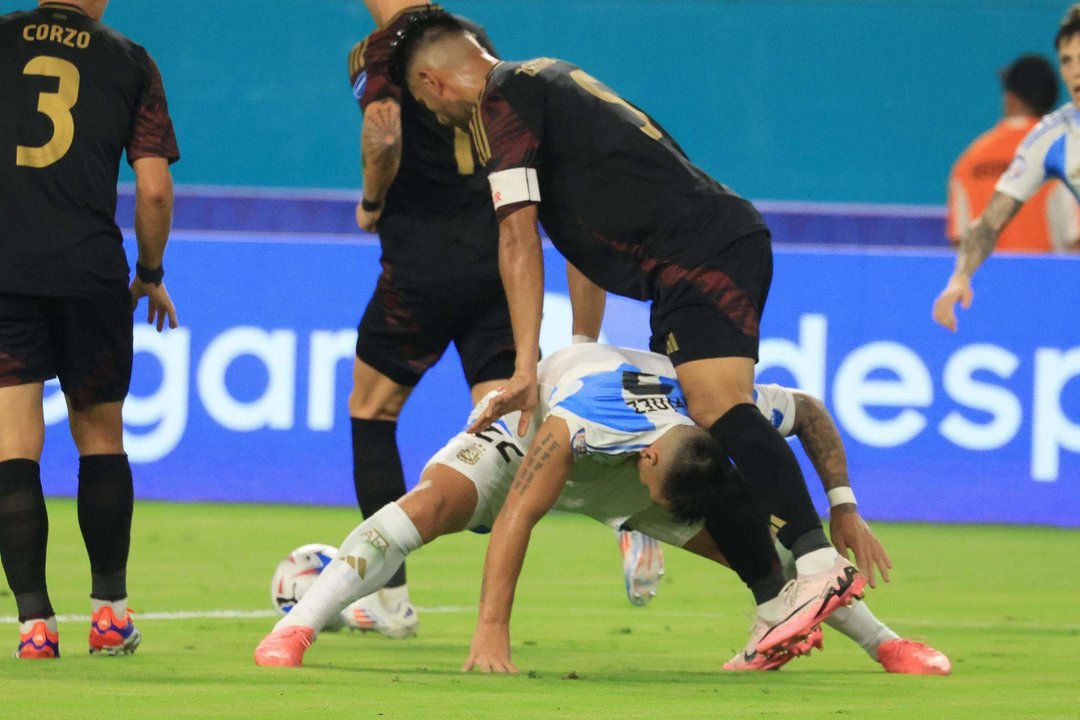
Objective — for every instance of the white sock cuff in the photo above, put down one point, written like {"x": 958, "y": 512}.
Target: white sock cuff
{"x": 401, "y": 530}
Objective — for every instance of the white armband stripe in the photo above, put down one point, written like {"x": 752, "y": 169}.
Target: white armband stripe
{"x": 513, "y": 186}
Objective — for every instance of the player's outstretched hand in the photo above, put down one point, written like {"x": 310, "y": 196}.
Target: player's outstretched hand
{"x": 519, "y": 394}
{"x": 957, "y": 291}
{"x": 160, "y": 305}
{"x": 367, "y": 219}
{"x": 490, "y": 650}
{"x": 850, "y": 532}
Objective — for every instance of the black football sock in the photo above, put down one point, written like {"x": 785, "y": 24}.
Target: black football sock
{"x": 773, "y": 475}
{"x": 377, "y": 474}
{"x": 24, "y": 533}
{"x": 741, "y": 533}
{"x": 106, "y": 503}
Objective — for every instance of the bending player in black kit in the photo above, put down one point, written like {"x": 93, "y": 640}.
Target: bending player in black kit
{"x": 439, "y": 283}
{"x": 621, "y": 201}
{"x": 76, "y": 95}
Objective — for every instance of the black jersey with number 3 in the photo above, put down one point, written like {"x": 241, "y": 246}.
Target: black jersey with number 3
{"x": 617, "y": 195}
{"x": 76, "y": 95}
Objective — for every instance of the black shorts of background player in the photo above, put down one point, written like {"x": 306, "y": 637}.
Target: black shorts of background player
{"x": 622, "y": 202}
{"x": 76, "y": 96}
{"x": 439, "y": 283}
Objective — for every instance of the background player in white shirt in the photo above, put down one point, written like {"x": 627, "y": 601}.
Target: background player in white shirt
{"x": 1051, "y": 150}
{"x": 466, "y": 483}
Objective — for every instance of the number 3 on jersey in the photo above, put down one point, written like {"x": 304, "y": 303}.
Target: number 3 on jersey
{"x": 595, "y": 88}
{"x": 57, "y": 107}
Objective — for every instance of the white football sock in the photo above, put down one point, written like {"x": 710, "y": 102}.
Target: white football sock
{"x": 367, "y": 558}
{"x": 119, "y": 607}
{"x": 393, "y": 598}
{"x": 816, "y": 561}
{"x": 859, "y": 624}
{"x": 50, "y": 623}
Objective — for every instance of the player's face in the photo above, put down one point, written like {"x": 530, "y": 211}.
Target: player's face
{"x": 1069, "y": 65}
{"x": 653, "y": 479}
{"x": 440, "y": 100}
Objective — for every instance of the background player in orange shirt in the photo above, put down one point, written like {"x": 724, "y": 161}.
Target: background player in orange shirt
{"x": 1050, "y": 221}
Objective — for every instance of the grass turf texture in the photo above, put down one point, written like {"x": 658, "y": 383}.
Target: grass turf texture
{"x": 1000, "y": 601}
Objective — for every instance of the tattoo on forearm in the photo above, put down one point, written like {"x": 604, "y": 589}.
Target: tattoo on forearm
{"x": 822, "y": 443}
{"x": 978, "y": 242}
{"x": 381, "y": 134}
{"x": 534, "y": 462}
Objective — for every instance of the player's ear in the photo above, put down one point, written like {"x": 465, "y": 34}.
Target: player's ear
{"x": 649, "y": 455}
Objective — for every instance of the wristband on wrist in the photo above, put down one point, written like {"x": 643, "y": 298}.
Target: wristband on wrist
{"x": 370, "y": 205}
{"x": 149, "y": 276}
{"x": 579, "y": 339}
{"x": 841, "y": 496}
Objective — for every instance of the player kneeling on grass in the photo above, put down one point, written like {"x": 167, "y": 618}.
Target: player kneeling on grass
{"x": 625, "y": 407}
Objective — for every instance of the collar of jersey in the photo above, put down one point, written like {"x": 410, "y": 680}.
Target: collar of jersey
{"x": 65, "y": 5}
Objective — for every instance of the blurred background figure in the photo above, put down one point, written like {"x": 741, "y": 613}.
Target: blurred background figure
{"x": 1050, "y": 221}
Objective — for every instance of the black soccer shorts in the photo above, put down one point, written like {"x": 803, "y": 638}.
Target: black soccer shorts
{"x": 85, "y": 341}
{"x": 407, "y": 327}
{"x": 713, "y": 309}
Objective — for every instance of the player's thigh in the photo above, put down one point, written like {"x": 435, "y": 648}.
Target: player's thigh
{"x": 484, "y": 336}
{"x": 442, "y": 502}
{"x": 374, "y": 396}
{"x": 488, "y": 461}
{"x": 26, "y": 362}
{"x": 92, "y": 347}
{"x": 714, "y": 386}
{"x": 22, "y": 425}
{"x": 400, "y": 335}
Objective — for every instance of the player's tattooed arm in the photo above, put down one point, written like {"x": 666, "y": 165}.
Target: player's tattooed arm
{"x": 975, "y": 246}
{"x": 820, "y": 439}
{"x": 979, "y": 241}
{"x": 537, "y": 485}
{"x": 380, "y": 144}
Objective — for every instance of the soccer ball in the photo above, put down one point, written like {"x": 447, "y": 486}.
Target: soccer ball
{"x": 296, "y": 573}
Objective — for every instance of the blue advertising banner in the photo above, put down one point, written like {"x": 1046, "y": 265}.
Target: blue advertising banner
{"x": 247, "y": 400}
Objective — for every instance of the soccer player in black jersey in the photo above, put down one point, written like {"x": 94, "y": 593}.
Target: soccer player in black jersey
{"x": 622, "y": 202}
{"x": 76, "y": 95}
{"x": 428, "y": 200}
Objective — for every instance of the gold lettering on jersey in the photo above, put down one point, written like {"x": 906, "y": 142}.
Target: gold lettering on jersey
{"x": 533, "y": 68}
{"x": 57, "y": 107}
{"x": 672, "y": 344}
{"x": 59, "y": 34}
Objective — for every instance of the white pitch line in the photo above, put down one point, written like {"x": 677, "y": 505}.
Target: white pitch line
{"x": 452, "y": 609}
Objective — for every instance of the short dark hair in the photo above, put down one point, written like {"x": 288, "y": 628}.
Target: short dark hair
{"x": 699, "y": 478}
{"x": 1070, "y": 25}
{"x": 420, "y": 29}
{"x": 1032, "y": 79}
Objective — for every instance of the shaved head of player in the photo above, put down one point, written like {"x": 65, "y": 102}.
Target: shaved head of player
{"x": 447, "y": 72}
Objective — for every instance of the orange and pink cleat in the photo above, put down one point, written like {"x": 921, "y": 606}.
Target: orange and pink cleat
{"x": 110, "y": 635}
{"x": 284, "y": 647}
{"x": 909, "y": 657}
{"x": 39, "y": 643}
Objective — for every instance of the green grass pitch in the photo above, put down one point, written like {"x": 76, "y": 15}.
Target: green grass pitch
{"x": 1003, "y": 602}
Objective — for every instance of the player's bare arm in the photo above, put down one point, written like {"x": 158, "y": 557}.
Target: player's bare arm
{"x": 587, "y": 300}
{"x": 820, "y": 438}
{"x": 380, "y": 144}
{"x": 153, "y": 220}
{"x": 521, "y": 266}
{"x": 975, "y": 246}
{"x": 536, "y": 487}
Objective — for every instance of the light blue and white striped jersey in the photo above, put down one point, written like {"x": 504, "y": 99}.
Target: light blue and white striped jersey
{"x": 1050, "y": 150}
{"x": 617, "y": 401}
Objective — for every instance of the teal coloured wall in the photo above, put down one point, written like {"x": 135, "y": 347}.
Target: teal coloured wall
{"x": 856, "y": 101}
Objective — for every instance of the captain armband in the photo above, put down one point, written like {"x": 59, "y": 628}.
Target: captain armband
{"x": 514, "y": 186}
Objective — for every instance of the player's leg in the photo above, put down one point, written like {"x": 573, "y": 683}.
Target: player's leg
{"x": 25, "y": 363}
{"x": 367, "y": 558}
{"x": 93, "y": 337}
{"x": 397, "y": 342}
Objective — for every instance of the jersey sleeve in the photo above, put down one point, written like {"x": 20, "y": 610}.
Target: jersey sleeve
{"x": 510, "y": 149}
{"x": 777, "y": 404}
{"x": 152, "y": 133}
{"x": 369, "y": 70}
{"x": 1028, "y": 169}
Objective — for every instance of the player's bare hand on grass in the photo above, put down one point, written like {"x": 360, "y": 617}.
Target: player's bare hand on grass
{"x": 519, "y": 394}
{"x": 957, "y": 291}
{"x": 490, "y": 650}
{"x": 850, "y": 532}
{"x": 159, "y": 304}
{"x": 368, "y": 219}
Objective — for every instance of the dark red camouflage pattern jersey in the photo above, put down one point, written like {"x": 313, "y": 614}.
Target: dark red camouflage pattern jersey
{"x": 76, "y": 94}
{"x": 617, "y": 195}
